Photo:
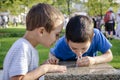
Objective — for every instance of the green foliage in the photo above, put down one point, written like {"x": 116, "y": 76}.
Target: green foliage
{"x": 94, "y": 7}
{"x": 12, "y": 32}
{"x": 99, "y": 7}
{"x": 63, "y": 5}
{"x": 18, "y": 6}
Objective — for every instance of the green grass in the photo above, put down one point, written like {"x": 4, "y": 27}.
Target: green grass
{"x": 10, "y": 35}
{"x": 43, "y": 53}
{"x": 5, "y": 44}
{"x": 116, "y": 53}
{"x": 12, "y": 32}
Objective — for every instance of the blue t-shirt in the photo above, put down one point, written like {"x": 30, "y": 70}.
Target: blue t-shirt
{"x": 99, "y": 43}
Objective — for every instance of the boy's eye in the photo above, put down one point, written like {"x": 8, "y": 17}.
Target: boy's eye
{"x": 74, "y": 48}
{"x": 83, "y": 48}
{"x": 57, "y": 35}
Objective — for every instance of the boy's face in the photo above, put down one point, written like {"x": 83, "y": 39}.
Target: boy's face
{"x": 51, "y": 37}
{"x": 79, "y": 48}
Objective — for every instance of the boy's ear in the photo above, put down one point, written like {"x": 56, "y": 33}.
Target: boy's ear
{"x": 41, "y": 30}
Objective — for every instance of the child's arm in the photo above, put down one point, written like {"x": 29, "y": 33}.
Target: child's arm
{"x": 86, "y": 61}
{"x": 43, "y": 69}
{"x": 52, "y": 59}
{"x": 106, "y": 57}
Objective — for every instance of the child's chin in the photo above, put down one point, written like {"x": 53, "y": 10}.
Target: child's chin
{"x": 48, "y": 46}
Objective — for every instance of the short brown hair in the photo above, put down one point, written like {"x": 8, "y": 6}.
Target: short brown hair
{"x": 42, "y": 15}
{"x": 79, "y": 29}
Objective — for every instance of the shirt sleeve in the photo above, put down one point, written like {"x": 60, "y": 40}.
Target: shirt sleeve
{"x": 103, "y": 44}
{"x": 19, "y": 64}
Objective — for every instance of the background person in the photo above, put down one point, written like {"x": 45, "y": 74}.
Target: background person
{"x": 118, "y": 24}
{"x": 110, "y": 23}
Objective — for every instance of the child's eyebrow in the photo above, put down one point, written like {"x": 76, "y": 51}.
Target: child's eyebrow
{"x": 73, "y": 48}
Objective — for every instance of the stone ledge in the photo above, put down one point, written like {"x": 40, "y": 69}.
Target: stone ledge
{"x": 94, "y": 72}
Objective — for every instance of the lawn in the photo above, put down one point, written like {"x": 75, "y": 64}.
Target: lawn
{"x": 10, "y": 35}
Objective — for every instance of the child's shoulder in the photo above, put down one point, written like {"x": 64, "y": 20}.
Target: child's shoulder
{"x": 61, "y": 40}
{"x": 96, "y": 31}
{"x": 21, "y": 42}
{"x": 97, "y": 34}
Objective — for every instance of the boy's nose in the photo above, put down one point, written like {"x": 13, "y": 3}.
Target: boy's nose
{"x": 79, "y": 53}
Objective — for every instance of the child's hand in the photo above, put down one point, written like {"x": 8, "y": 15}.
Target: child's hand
{"x": 85, "y": 61}
{"x": 53, "y": 60}
{"x": 57, "y": 68}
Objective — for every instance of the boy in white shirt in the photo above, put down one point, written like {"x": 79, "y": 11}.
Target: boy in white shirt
{"x": 43, "y": 26}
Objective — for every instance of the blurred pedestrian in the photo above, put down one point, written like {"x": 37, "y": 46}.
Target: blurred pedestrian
{"x": 118, "y": 24}
{"x": 109, "y": 20}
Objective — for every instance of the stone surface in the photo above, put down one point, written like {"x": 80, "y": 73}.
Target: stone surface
{"x": 94, "y": 72}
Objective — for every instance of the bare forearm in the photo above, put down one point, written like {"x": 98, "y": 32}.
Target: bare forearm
{"x": 32, "y": 75}
{"x": 43, "y": 69}
{"x": 107, "y": 57}
{"x": 35, "y": 74}
{"x": 38, "y": 72}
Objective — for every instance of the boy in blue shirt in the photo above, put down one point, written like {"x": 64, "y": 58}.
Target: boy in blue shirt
{"x": 81, "y": 43}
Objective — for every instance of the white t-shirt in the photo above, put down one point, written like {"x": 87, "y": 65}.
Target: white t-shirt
{"x": 112, "y": 18}
{"x": 20, "y": 59}
{"x": 118, "y": 19}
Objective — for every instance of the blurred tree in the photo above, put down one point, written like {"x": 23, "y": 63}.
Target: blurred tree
{"x": 17, "y": 6}
{"x": 94, "y": 7}
{"x": 65, "y": 5}
{"x": 99, "y": 7}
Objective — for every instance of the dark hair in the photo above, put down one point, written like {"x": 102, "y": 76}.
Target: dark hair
{"x": 79, "y": 29}
{"x": 42, "y": 15}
